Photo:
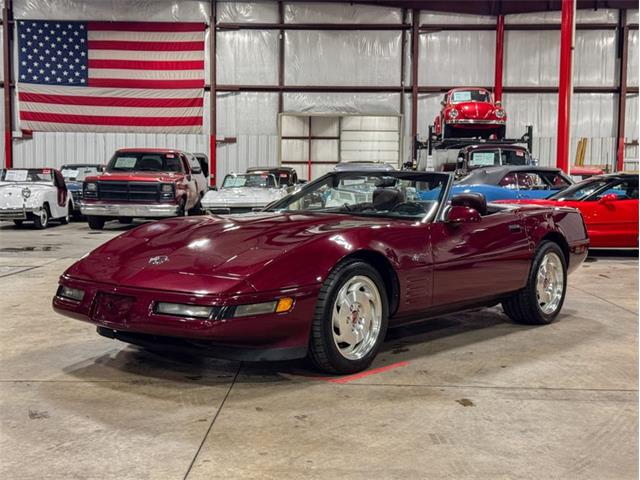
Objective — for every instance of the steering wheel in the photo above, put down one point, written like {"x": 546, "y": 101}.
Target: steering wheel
{"x": 410, "y": 208}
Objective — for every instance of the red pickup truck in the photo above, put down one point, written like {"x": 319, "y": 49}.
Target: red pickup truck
{"x": 144, "y": 183}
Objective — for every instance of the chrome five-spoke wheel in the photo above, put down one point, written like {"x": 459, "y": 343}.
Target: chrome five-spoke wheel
{"x": 357, "y": 317}
{"x": 550, "y": 283}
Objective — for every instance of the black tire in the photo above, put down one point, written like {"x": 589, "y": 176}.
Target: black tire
{"x": 125, "y": 220}
{"x": 42, "y": 221}
{"x": 197, "y": 208}
{"x": 323, "y": 351}
{"x": 18, "y": 223}
{"x": 95, "y": 223}
{"x": 501, "y": 132}
{"x": 181, "y": 212}
{"x": 524, "y": 307}
{"x": 65, "y": 220}
{"x": 447, "y": 132}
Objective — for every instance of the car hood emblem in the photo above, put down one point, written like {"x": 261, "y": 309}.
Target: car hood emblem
{"x": 160, "y": 259}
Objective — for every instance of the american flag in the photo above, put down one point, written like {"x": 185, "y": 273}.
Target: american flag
{"x": 111, "y": 76}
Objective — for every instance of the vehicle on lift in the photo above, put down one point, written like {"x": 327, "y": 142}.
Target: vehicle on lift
{"x": 244, "y": 192}
{"x": 144, "y": 183}
{"x": 472, "y": 157}
{"x": 285, "y": 176}
{"x": 470, "y": 112}
{"x": 609, "y": 206}
{"x": 74, "y": 174}
{"x": 34, "y": 194}
{"x": 511, "y": 182}
{"x": 226, "y": 284}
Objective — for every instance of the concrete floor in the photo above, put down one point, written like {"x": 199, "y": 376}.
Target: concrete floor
{"x": 467, "y": 396}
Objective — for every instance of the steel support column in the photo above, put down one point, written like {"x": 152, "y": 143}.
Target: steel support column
{"x": 497, "y": 85}
{"x": 565, "y": 86}
{"x": 623, "y": 54}
{"x": 281, "y": 58}
{"x": 212, "y": 96}
{"x": 415, "y": 52}
{"x": 7, "y": 17}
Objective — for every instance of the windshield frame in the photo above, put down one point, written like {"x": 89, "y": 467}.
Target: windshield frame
{"x": 438, "y": 211}
{"x": 451, "y": 101}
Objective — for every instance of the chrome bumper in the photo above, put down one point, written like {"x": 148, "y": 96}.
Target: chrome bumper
{"x": 469, "y": 121}
{"x": 14, "y": 213}
{"x": 129, "y": 210}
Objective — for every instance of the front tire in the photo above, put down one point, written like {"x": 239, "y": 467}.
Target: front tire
{"x": 41, "y": 219}
{"x": 350, "y": 319}
{"x": 95, "y": 223}
{"x": 447, "y": 132}
{"x": 540, "y": 302}
{"x": 18, "y": 223}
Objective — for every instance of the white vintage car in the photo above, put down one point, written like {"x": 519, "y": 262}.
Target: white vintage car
{"x": 36, "y": 194}
{"x": 244, "y": 192}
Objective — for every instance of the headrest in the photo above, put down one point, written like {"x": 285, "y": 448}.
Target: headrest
{"x": 474, "y": 200}
{"x": 385, "y": 182}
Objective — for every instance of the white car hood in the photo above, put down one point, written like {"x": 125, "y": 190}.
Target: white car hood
{"x": 242, "y": 197}
{"x": 11, "y": 194}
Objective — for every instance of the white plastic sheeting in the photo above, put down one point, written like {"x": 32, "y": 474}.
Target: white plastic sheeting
{"x": 602, "y": 15}
{"x": 595, "y": 58}
{"x": 342, "y": 58}
{"x": 632, "y": 59}
{"x": 457, "y": 58}
{"x": 632, "y": 16}
{"x": 366, "y": 103}
{"x": 247, "y": 57}
{"x": 631, "y": 128}
{"x": 427, "y": 17}
{"x": 114, "y": 10}
{"x": 247, "y": 12}
{"x": 315, "y": 12}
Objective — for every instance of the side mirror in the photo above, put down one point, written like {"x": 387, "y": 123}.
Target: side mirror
{"x": 608, "y": 198}
{"x": 458, "y": 214}
{"x": 443, "y": 103}
{"x": 498, "y": 103}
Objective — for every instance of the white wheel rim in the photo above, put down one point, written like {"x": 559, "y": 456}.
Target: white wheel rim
{"x": 550, "y": 283}
{"x": 357, "y": 317}
{"x": 43, "y": 217}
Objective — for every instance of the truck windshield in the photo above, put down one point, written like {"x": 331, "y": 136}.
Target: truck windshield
{"x": 145, "y": 162}
{"x": 78, "y": 173}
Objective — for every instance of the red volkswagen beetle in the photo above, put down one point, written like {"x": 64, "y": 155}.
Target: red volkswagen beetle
{"x": 470, "y": 112}
{"x": 609, "y": 205}
{"x": 324, "y": 271}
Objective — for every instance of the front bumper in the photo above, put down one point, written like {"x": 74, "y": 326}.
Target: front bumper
{"x": 7, "y": 214}
{"x": 475, "y": 123}
{"x": 139, "y": 210}
{"x": 268, "y": 336}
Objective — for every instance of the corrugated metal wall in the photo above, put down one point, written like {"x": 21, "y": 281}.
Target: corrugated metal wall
{"x": 358, "y": 58}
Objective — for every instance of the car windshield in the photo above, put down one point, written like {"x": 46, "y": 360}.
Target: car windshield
{"x": 580, "y": 191}
{"x": 77, "y": 173}
{"x": 408, "y": 195}
{"x": 259, "y": 180}
{"x": 24, "y": 175}
{"x": 145, "y": 162}
{"x": 469, "y": 96}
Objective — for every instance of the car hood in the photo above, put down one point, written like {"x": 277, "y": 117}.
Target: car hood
{"x": 245, "y": 196}
{"x": 11, "y": 194}
{"x": 166, "y": 177}
{"x": 478, "y": 110}
{"x": 207, "y": 254}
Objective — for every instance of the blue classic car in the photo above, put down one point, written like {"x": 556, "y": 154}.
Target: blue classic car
{"x": 74, "y": 174}
{"x": 512, "y": 182}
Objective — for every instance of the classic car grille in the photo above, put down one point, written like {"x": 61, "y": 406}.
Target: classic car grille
{"x": 129, "y": 191}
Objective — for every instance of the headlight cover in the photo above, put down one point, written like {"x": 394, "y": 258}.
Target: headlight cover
{"x": 91, "y": 187}
{"x": 500, "y": 113}
{"x": 453, "y": 113}
{"x": 184, "y": 310}
{"x": 26, "y": 192}
{"x": 75, "y": 294}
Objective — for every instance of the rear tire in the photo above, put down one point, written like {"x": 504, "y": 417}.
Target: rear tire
{"x": 350, "y": 319}
{"x": 65, "y": 220}
{"x": 41, "y": 220}
{"x": 95, "y": 223}
{"x": 18, "y": 223}
{"x": 540, "y": 302}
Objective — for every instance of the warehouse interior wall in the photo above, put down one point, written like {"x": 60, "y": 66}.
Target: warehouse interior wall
{"x": 358, "y": 58}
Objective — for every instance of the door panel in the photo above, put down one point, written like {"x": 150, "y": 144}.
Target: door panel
{"x": 477, "y": 260}
{"x": 613, "y": 224}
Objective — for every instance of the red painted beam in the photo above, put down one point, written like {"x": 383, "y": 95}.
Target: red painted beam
{"x": 623, "y": 51}
{"x": 7, "y": 15}
{"x": 213, "y": 94}
{"x": 565, "y": 86}
{"x": 497, "y": 88}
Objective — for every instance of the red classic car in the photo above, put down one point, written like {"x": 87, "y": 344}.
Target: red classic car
{"x": 324, "y": 271}
{"x": 609, "y": 205}
{"x": 144, "y": 183}
{"x": 470, "y": 112}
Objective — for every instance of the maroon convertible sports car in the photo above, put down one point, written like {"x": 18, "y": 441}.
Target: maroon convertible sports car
{"x": 324, "y": 271}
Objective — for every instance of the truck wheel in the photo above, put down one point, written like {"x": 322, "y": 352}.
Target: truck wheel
{"x": 41, "y": 220}
{"x": 540, "y": 302}
{"x": 181, "y": 212}
{"x": 64, "y": 220}
{"x": 501, "y": 132}
{"x": 18, "y": 223}
{"x": 197, "y": 208}
{"x": 350, "y": 319}
{"x": 447, "y": 132}
{"x": 95, "y": 223}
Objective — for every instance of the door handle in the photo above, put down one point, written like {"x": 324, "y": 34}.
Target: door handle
{"x": 515, "y": 228}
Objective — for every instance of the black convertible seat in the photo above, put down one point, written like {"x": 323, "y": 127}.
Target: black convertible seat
{"x": 477, "y": 201}
{"x": 387, "y": 198}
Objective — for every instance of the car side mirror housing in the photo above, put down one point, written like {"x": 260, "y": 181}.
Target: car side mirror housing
{"x": 608, "y": 198}
{"x": 498, "y": 103}
{"x": 458, "y": 214}
{"x": 443, "y": 103}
